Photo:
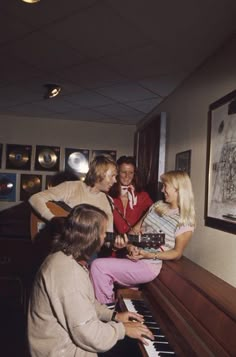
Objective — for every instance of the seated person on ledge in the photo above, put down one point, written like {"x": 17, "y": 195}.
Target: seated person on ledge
{"x": 175, "y": 217}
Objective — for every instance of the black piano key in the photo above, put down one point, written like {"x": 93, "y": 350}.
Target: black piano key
{"x": 155, "y": 330}
{"x": 166, "y": 354}
{"x": 149, "y": 319}
{"x": 162, "y": 347}
{"x": 139, "y": 305}
{"x": 143, "y": 309}
{"x": 160, "y": 338}
{"x": 151, "y": 324}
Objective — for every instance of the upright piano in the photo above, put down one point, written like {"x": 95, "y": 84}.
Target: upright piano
{"x": 194, "y": 310}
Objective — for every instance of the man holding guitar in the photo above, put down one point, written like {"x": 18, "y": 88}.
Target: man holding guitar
{"x": 99, "y": 179}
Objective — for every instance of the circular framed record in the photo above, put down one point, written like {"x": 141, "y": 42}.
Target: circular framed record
{"x": 18, "y": 157}
{"x": 30, "y": 184}
{"x": 77, "y": 160}
{"x": 47, "y": 158}
{"x": 7, "y": 187}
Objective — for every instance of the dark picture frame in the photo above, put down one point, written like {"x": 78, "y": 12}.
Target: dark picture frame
{"x": 77, "y": 160}
{"x": 47, "y": 158}
{"x": 183, "y": 161}
{"x": 18, "y": 157}
{"x": 29, "y": 185}
{"x": 7, "y": 186}
{"x": 220, "y": 203}
{"x": 110, "y": 153}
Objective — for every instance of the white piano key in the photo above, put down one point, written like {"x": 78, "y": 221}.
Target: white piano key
{"x": 150, "y": 349}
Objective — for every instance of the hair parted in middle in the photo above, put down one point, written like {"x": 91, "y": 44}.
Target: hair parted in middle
{"x": 81, "y": 233}
{"x": 137, "y": 181}
{"x": 97, "y": 169}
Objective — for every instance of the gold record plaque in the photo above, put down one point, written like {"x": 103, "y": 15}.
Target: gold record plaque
{"x": 18, "y": 157}
{"x": 47, "y": 158}
{"x": 109, "y": 153}
{"x": 30, "y": 184}
{"x": 7, "y": 187}
{"x": 77, "y": 160}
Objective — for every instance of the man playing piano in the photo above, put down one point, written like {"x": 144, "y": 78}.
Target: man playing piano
{"x": 64, "y": 318}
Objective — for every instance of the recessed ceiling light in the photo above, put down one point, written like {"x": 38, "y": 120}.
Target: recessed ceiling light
{"x": 52, "y": 90}
{"x": 30, "y": 1}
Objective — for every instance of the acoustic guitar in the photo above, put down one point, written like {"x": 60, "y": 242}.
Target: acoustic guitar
{"x": 37, "y": 223}
{"x": 60, "y": 209}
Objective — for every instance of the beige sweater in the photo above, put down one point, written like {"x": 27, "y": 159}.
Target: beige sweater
{"x": 64, "y": 319}
{"x": 72, "y": 193}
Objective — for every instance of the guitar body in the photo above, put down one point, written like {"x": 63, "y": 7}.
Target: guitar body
{"x": 37, "y": 223}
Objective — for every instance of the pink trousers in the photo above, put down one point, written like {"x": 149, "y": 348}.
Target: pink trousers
{"x": 105, "y": 272}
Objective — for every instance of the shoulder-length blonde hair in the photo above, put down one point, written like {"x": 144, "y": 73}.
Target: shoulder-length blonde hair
{"x": 180, "y": 180}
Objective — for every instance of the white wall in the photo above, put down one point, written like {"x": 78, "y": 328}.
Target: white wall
{"x": 63, "y": 133}
{"x": 187, "y": 110}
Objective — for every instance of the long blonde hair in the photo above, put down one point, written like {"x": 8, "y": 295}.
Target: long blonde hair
{"x": 180, "y": 180}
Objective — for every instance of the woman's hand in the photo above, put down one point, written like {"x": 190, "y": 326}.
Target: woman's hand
{"x": 132, "y": 250}
{"x": 128, "y": 316}
{"x": 139, "y": 331}
{"x": 135, "y": 253}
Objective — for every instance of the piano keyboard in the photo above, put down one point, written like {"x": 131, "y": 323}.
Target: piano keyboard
{"x": 158, "y": 347}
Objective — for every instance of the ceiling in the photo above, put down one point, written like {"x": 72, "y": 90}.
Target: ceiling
{"x": 115, "y": 60}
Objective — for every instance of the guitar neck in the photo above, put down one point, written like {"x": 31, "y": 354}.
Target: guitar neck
{"x": 150, "y": 240}
{"x": 110, "y": 237}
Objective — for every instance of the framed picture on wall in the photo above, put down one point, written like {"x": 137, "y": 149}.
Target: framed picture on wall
{"x": 7, "y": 186}
{"x": 183, "y": 161}
{"x": 0, "y": 155}
{"x": 220, "y": 206}
{"x": 29, "y": 185}
{"x": 18, "y": 157}
{"x": 77, "y": 160}
{"x": 111, "y": 153}
{"x": 47, "y": 158}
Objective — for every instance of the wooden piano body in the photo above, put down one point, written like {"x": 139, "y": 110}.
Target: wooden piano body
{"x": 196, "y": 310}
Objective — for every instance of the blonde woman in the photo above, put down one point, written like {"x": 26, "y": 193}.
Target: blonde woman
{"x": 174, "y": 216}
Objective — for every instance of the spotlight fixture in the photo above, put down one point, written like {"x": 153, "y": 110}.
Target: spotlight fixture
{"x": 31, "y": 1}
{"x": 52, "y": 90}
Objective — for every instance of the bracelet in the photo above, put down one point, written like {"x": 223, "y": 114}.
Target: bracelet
{"x": 113, "y": 318}
{"x": 155, "y": 256}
